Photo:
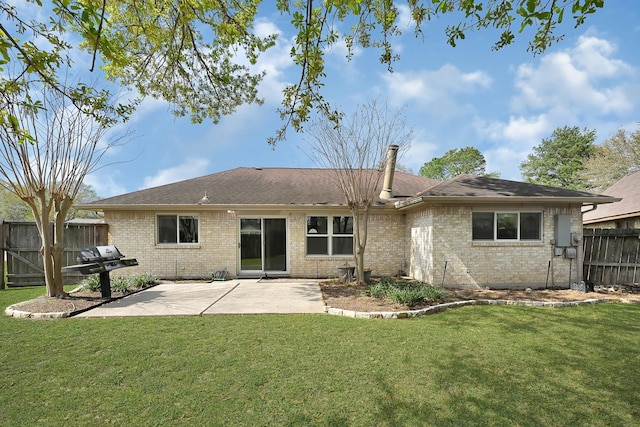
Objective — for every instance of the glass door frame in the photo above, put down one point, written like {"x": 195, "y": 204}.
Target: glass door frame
{"x": 262, "y": 271}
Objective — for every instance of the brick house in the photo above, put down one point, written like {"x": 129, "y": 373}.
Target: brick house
{"x": 468, "y": 231}
{"x": 622, "y": 214}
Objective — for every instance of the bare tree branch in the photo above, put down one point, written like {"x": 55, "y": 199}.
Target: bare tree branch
{"x": 355, "y": 151}
{"x": 47, "y": 170}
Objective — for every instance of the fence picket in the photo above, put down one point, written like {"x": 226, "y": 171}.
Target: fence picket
{"x": 616, "y": 259}
{"x": 20, "y": 243}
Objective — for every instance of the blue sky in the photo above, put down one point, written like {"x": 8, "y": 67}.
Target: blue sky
{"x": 503, "y": 103}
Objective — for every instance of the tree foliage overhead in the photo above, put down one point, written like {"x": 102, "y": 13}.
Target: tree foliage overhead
{"x": 36, "y": 51}
{"x": 618, "y": 156}
{"x": 457, "y": 161}
{"x": 559, "y": 160}
{"x": 197, "y": 54}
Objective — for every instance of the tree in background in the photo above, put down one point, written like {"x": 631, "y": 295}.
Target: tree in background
{"x": 354, "y": 151}
{"x": 559, "y": 160}
{"x": 43, "y": 160}
{"x": 457, "y": 161}
{"x": 616, "y": 157}
{"x": 198, "y": 55}
{"x": 13, "y": 208}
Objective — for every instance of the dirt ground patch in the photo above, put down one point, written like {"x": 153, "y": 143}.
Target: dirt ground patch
{"x": 351, "y": 296}
{"x": 78, "y": 301}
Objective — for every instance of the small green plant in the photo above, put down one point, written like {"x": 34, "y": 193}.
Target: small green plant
{"x": 142, "y": 280}
{"x": 120, "y": 284}
{"x": 405, "y": 293}
{"x": 377, "y": 290}
{"x": 91, "y": 283}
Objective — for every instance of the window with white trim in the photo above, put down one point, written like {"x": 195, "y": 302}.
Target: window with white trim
{"x": 501, "y": 226}
{"x": 177, "y": 229}
{"x": 329, "y": 235}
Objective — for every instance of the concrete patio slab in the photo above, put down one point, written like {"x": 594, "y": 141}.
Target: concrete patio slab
{"x": 245, "y": 296}
{"x": 270, "y": 297}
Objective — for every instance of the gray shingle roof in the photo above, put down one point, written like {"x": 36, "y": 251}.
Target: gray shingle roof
{"x": 298, "y": 187}
{"x": 258, "y": 186}
{"x": 482, "y": 188}
{"x": 627, "y": 188}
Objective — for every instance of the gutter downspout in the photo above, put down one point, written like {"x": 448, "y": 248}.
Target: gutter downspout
{"x": 390, "y": 167}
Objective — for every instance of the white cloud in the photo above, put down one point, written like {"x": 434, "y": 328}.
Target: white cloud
{"x": 584, "y": 80}
{"x": 405, "y": 21}
{"x": 436, "y": 89}
{"x": 191, "y": 168}
{"x": 526, "y": 130}
{"x": 582, "y": 85}
{"x": 513, "y": 140}
{"x": 506, "y": 160}
{"x": 594, "y": 56}
{"x": 274, "y": 62}
{"x": 418, "y": 154}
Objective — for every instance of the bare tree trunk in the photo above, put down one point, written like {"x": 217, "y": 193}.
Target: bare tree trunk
{"x": 360, "y": 231}
{"x": 57, "y": 252}
{"x": 41, "y": 216}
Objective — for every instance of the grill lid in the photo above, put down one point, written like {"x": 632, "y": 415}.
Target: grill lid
{"x": 99, "y": 253}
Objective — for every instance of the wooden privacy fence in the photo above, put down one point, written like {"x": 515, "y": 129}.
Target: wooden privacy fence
{"x": 20, "y": 247}
{"x": 611, "y": 256}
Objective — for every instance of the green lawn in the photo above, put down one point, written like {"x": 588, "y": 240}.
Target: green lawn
{"x": 480, "y": 365}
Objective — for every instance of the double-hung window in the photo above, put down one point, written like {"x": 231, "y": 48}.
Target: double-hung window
{"x": 177, "y": 229}
{"x": 329, "y": 235}
{"x": 502, "y": 226}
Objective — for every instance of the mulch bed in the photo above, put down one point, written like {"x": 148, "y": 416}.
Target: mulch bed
{"x": 79, "y": 301}
{"x": 351, "y": 296}
{"x": 71, "y": 303}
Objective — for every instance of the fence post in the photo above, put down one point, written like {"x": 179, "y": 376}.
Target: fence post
{"x": 2, "y": 254}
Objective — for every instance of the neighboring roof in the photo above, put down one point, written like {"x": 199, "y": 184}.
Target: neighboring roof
{"x": 485, "y": 189}
{"x": 627, "y": 188}
{"x": 255, "y": 186}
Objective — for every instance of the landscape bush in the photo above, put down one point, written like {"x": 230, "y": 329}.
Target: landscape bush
{"x": 119, "y": 283}
{"x": 407, "y": 293}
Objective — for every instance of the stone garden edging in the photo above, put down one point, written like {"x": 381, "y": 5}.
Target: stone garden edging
{"x": 408, "y": 314}
{"x": 11, "y": 311}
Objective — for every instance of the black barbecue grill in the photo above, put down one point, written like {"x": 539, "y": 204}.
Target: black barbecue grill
{"x": 100, "y": 260}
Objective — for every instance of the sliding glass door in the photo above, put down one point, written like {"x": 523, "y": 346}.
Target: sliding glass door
{"x": 263, "y": 245}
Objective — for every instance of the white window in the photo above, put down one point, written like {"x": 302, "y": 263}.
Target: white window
{"x": 177, "y": 229}
{"x": 521, "y": 226}
{"x": 329, "y": 235}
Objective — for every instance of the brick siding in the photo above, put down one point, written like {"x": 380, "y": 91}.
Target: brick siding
{"x": 417, "y": 243}
{"x": 443, "y": 234}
